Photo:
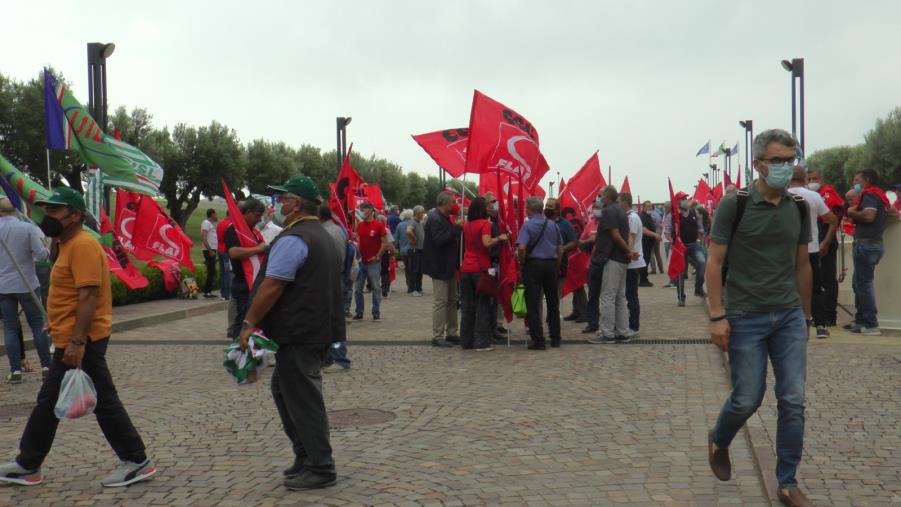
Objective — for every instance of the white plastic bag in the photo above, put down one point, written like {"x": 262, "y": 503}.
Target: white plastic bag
{"x": 77, "y": 396}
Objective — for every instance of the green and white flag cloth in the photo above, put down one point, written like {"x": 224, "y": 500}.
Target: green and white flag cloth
{"x": 243, "y": 364}
{"x": 93, "y": 195}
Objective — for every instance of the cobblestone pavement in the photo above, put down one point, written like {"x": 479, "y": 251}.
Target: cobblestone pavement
{"x": 580, "y": 425}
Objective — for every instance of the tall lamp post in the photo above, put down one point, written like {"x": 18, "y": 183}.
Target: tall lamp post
{"x": 715, "y": 170}
{"x": 342, "y": 124}
{"x": 748, "y": 125}
{"x": 796, "y": 67}
{"x": 98, "y": 52}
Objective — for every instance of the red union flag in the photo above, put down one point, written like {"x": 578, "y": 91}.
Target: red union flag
{"x": 156, "y": 232}
{"x": 447, "y": 148}
{"x": 126, "y": 212}
{"x": 500, "y": 139}
{"x": 580, "y": 191}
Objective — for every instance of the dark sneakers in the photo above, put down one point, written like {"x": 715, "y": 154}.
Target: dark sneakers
{"x": 719, "y": 460}
{"x": 308, "y": 480}
{"x": 793, "y": 497}
{"x": 295, "y": 469}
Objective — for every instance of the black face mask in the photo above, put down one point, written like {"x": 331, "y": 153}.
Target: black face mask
{"x": 550, "y": 213}
{"x": 51, "y": 227}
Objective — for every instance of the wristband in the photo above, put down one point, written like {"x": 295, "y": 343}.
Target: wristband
{"x": 717, "y": 319}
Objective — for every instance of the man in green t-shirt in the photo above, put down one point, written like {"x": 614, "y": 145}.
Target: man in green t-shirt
{"x": 765, "y": 308}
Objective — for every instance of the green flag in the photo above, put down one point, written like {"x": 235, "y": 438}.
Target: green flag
{"x": 123, "y": 165}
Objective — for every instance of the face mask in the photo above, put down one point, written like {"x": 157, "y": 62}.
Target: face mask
{"x": 815, "y": 186}
{"x": 279, "y": 217}
{"x": 779, "y": 176}
{"x": 857, "y": 188}
{"x": 493, "y": 206}
{"x": 598, "y": 202}
{"x": 597, "y": 213}
{"x": 51, "y": 227}
{"x": 683, "y": 205}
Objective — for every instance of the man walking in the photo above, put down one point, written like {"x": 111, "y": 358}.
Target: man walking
{"x": 208, "y": 238}
{"x": 440, "y": 260}
{"x": 691, "y": 231}
{"x": 80, "y": 314}
{"x": 22, "y": 241}
{"x": 539, "y": 248}
{"x": 870, "y": 214}
{"x": 296, "y": 301}
{"x": 765, "y": 309}
{"x": 372, "y": 236}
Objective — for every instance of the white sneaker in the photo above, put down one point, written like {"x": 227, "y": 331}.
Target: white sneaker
{"x": 129, "y": 473}
{"x": 12, "y": 473}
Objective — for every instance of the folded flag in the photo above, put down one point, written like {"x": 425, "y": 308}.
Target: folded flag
{"x": 243, "y": 365}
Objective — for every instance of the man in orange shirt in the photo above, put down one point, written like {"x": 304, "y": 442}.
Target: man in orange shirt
{"x": 80, "y": 322}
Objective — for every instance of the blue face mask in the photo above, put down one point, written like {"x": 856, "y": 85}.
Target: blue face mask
{"x": 858, "y": 188}
{"x": 779, "y": 175}
{"x": 598, "y": 202}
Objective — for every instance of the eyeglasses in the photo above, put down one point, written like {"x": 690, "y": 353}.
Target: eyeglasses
{"x": 779, "y": 160}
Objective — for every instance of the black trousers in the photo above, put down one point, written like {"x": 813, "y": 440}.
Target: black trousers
{"x": 540, "y": 277}
{"x": 210, "y": 260}
{"x": 476, "y": 328}
{"x": 647, "y": 246}
{"x": 593, "y": 306}
{"x": 829, "y": 282}
{"x": 413, "y": 270}
{"x": 580, "y": 301}
{"x": 818, "y": 296}
{"x": 241, "y": 296}
{"x": 297, "y": 391}
{"x": 111, "y": 415}
{"x": 632, "y": 279}
{"x": 386, "y": 273}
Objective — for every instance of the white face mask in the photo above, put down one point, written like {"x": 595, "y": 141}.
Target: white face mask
{"x": 814, "y": 185}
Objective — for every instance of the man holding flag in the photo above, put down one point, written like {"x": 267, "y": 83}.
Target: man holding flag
{"x": 243, "y": 248}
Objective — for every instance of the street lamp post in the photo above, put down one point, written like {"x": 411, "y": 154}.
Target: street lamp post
{"x": 796, "y": 67}
{"x": 715, "y": 170}
{"x": 342, "y": 124}
{"x": 98, "y": 52}
{"x": 748, "y": 125}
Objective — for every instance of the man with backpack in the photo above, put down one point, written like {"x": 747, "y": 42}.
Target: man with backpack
{"x": 762, "y": 309}
{"x": 691, "y": 231}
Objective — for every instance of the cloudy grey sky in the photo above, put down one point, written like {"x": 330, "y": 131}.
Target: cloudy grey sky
{"x": 645, "y": 82}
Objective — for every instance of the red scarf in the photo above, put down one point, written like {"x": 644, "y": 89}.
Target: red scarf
{"x": 830, "y": 195}
{"x": 875, "y": 190}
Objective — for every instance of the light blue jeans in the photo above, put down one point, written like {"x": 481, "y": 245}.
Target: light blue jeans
{"x": 781, "y": 336}
{"x": 373, "y": 271}
{"x": 9, "y": 308}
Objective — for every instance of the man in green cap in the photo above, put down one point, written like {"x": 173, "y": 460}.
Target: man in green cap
{"x": 80, "y": 320}
{"x": 297, "y": 302}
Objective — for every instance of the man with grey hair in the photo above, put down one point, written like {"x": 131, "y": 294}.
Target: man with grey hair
{"x": 440, "y": 260}
{"x": 416, "y": 236}
{"x": 764, "y": 311}
{"x": 539, "y": 250}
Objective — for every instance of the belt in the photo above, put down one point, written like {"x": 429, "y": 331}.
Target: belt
{"x": 540, "y": 259}
{"x": 867, "y": 241}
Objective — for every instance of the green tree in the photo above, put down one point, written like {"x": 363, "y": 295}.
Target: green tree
{"x": 416, "y": 191}
{"x": 269, "y": 164}
{"x": 313, "y": 163}
{"x": 831, "y": 163}
{"x": 133, "y": 127}
{"x": 883, "y": 144}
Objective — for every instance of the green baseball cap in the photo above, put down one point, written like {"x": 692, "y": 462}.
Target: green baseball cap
{"x": 302, "y": 186}
{"x": 64, "y": 196}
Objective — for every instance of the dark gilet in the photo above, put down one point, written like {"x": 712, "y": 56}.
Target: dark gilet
{"x": 310, "y": 311}
{"x": 688, "y": 227}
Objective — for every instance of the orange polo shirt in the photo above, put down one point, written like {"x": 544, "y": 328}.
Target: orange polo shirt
{"x": 81, "y": 263}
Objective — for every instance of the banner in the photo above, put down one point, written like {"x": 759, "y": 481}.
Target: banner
{"x": 447, "y": 148}
{"x": 26, "y": 188}
{"x": 703, "y": 194}
{"x": 677, "y": 255}
{"x": 579, "y": 193}
{"x": 246, "y": 237}
{"x": 373, "y": 195}
{"x": 626, "y": 187}
{"x": 339, "y": 213}
{"x": 156, "y": 232}
{"x": 120, "y": 264}
{"x": 126, "y": 213}
{"x": 576, "y": 272}
{"x": 348, "y": 182}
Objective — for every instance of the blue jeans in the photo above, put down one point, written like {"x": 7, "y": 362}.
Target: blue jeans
{"x": 225, "y": 275}
{"x": 866, "y": 257}
{"x": 696, "y": 256}
{"x": 9, "y": 308}
{"x": 781, "y": 336}
{"x": 372, "y": 271}
{"x": 592, "y": 308}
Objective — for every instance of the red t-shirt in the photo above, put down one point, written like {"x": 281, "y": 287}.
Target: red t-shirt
{"x": 370, "y": 234}
{"x": 475, "y": 255}
{"x": 220, "y": 233}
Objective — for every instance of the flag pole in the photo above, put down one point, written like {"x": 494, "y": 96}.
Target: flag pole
{"x": 49, "y": 183}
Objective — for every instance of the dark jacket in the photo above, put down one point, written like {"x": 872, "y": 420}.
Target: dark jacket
{"x": 440, "y": 249}
{"x": 310, "y": 311}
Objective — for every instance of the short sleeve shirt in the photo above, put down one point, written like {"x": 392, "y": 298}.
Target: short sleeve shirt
{"x": 81, "y": 263}
{"x": 370, "y": 234}
{"x": 418, "y": 231}
{"x": 221, "y": 228}
{"x": 567, "y": 233}
{"x": 635, "y": 228}
{"x": 605, "y": 249}
{"x": 475, "y": 255}
{"x": 287, "y": 255}
{"x": 874, "y": 229}
{"x": 762, "y": 256}
{"x": 817, "y": 207}
{"x": 546, "y": 247}
{"x": 211, "y": 236}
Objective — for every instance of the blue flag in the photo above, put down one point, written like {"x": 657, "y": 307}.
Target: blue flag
{"x": 55, "y": 122}
{"x": 704, "y": 149}
{"x": 11, "y": 194}
{"x": 735, "y": 149}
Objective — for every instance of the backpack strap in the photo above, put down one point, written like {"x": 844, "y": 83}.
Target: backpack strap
{"x": 740, "y": 205}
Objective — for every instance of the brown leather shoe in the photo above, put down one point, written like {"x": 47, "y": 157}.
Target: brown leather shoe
{"x": 719, "y": 460}
{"x": 793, "y": 497}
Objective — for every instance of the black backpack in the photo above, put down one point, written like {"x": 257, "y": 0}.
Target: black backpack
{"x": 741, "y": 204}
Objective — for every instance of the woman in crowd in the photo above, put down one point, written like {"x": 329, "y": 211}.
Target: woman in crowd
{"x": 476, "y": 327}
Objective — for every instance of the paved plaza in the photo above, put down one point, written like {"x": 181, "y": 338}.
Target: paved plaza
{"x": 414, "y": 424}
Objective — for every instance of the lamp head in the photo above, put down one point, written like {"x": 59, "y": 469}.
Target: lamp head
{"x": 787, "y": 65}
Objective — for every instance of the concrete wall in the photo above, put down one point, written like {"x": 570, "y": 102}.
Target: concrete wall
{"x": 888, "y": 279}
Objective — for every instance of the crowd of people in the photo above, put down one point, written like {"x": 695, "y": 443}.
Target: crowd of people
{"x": 764, "y": 260}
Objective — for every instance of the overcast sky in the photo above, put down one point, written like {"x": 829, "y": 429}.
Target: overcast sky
{"x": 644, "y": 82}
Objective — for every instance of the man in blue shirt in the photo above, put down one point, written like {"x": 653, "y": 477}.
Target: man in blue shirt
{"x": 393, "y": 220}
{"x": 23, "y": 242}
{"x": 539, "y": 252}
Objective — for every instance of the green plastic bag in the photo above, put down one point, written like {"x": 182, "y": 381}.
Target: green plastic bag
{"x": 518, "y": 301}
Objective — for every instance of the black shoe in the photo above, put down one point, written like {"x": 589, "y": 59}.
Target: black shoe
{"x": 571, "y": 317}
{"x": 438, "y": 342}
{"x": 308, "y": 480}
{"x": 500, "y": 329}
{"x": 209, "y": 295}
{"x": 646, "y": 283}
{"x": 681, "y": 301}
{"x": 581, "y": 320}
{"x": 452, "y": 338}
{"x": 555, "y": 342}
{"x": 295, "y": 469}
{"x": 376, "y": 318}
{"x": 537, "y": 346}
{"x": 590, "y": 329}
{"x": 358, "y": 317}
{"x": 500, "y": 337}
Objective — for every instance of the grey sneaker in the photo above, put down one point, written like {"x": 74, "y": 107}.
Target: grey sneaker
{"x": 867, "y": 331}
{"x": 602, "y": 340}
{"x": 822, "y": 332}
{"x": 308, "y": 480}
{"x": 14, "y": 377}
{"x": 129, "y": 473}
{"x": 12, "y": 473}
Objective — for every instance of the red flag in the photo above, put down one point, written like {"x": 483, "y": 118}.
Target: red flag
{"x": 348, "y": 182}
{"x": 120, "y": 264}
{"x": 507, "y": 279}
{"x": 126, "y": 211}
{"x": 728, "y": 178}
{"x": 717, "y": 194}
{"x": 703, "y": 193}
{"x": 156, "y": 232}
{"x": 577, "y": 272}
{"x": 247, "y": 237}
{"x": 338, "y": 211}
{"x": 447, "y": 148}
{"x": 677, "y": 254}
{"x": 502, "y": 140}
{"x": 581, "y": 190}
{"x": 373, "y": 194}
{"x": 392, "y": 267}
{"x": 738, "y": 177}
{"x": 461, "y": 200}
{"x": 626, "y": 187}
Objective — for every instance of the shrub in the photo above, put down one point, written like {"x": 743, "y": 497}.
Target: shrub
{"x": 155, "y": 289}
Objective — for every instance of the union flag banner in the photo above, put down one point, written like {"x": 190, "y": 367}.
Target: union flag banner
{"x": 373, "y": 194}
{"x": 703, "y": 194}
{"x": 579, "y": 193}
{"x": 576, "y": 272}
{"x": 126, "y": 212}
{"x": 717, "y": 194}
{"x": 339, "y": 212}
{"x": 461, "y": 200}
{"x": 247, "y": 237}
{"x": 348, "y": 182}
{"x": 447, "y": 148}
{"x": 156, "y": 232}
{"x": 120, "y": 264}
{"x": 677, "y": 255}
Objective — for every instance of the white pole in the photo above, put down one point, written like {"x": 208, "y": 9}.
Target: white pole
{"x": 49, "y": 183}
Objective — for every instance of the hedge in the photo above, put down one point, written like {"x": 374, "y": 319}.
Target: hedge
{"x": 122, "y": 295}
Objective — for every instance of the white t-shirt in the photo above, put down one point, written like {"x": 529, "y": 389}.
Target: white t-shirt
{"x": 270, "y": 231}
{"x": 817, "y": 207}
{"x": 635, "y": 228}
{"x": 211, "y": 237}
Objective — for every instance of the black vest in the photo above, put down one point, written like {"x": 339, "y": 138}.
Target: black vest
{"x": 688, "y": 227}
{"x": 310, "y": 311}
